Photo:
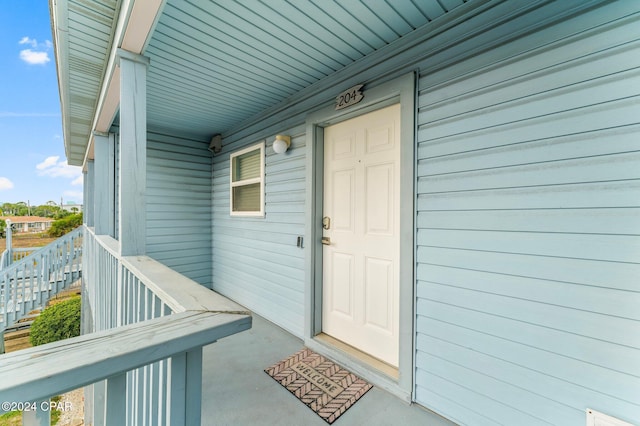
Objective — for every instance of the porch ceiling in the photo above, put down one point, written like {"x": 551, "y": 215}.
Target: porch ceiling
{"x": 83, "y": 31}
{"x": 217, "y": 63}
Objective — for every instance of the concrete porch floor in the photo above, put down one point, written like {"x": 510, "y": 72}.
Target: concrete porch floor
{"x": 236, "y": 391}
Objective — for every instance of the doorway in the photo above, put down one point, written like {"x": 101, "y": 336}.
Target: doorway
{"x": 361, "y": 233}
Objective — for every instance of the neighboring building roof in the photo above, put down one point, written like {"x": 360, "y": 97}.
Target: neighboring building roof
{"x": 26, "y": 219}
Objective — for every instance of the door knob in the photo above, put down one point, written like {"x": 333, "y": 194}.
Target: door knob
{"x": 326, "y": 241}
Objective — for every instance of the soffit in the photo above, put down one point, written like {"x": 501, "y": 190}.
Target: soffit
{"x": 83, "y": 30}
{"x": 217, "y": 63}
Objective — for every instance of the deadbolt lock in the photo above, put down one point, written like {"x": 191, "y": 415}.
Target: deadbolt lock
{"x": 326, "y": 222}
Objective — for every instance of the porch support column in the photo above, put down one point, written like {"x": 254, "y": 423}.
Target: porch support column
{"x": 111, "y": 182}
{"x": 89, "y": 182}
{"x": 104, "y": 183}
{"x": 101, "y": 184}
{"x": 85, "y": 196}
{"x": 133, "y": 153}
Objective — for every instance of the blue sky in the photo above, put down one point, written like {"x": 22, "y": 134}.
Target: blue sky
{"x": 33, "y": 166}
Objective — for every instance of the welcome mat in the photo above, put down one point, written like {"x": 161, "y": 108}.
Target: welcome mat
{"x": 320, "y": 384}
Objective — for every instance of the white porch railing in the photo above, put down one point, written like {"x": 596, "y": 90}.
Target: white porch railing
{"x": 11, "y": 254}
{"x": 5, "y": 259}
{"x": 145, "y": 355}
{"x": 28, "y": 284}
{"x": 20, "y": 253}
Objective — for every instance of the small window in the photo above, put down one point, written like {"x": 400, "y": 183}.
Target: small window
{"x": 247, "y": 181}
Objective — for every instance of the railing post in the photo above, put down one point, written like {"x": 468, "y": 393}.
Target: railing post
{"x": 116, "y": 401}
{"x": 6, "y": 290}
{"x": 38, "y": 416}
{"x": 9, "y": 242}
{"x": 88, "y": 404}
{"x": 99, "y": 403}
{"x": 186, "y": 388}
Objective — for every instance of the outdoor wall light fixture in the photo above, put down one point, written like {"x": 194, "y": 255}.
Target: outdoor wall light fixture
{"x": 281, "y": 144}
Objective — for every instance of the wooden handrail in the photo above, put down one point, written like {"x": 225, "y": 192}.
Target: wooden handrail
{"x": 149, "y": 325}
{"x": 176, "y": 291}
{"x": 40, "y": 372}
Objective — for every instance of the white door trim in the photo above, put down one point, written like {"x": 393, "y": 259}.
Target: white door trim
{"x": 400, "y": 90}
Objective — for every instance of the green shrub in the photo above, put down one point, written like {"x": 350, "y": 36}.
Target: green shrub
{"x": 64, "y": 225}
{"x": 57, "y": 322}
{"x": 12, "y": 418}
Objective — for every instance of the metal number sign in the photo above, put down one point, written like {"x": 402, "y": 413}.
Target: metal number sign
{"x": 349, "y": 97}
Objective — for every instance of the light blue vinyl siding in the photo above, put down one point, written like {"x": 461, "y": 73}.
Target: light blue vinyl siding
{"x": 527, "y": 215}
{"x": 255, "y": 260}
{"x": 528, "y": 228}
{"x": 179, "y": 205}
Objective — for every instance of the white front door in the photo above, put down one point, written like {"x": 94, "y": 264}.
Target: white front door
{"x": 361, "y": 221}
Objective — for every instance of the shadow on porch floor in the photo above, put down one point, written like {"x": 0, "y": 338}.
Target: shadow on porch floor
{"x": 236, "y": 391}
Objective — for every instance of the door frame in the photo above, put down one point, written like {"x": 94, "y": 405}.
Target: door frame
{"x": 399, "y": 90}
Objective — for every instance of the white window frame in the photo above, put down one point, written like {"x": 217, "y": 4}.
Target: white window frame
{"x": 259, "y": 179}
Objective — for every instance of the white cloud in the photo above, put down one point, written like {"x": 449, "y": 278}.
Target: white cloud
{"x": 5, "y": 184}
{"x": 52, "y": 167}
{"x": 30, "y": 41}
{"x": 34, "y": 58}
{"x": 73, "y": 196}
{"x": 38, "y": 54}
{"x": 48, "y": 162}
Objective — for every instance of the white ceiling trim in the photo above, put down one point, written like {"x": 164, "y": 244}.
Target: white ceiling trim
{"x": 59, "y": 20}
{"x": 136, "y": 22}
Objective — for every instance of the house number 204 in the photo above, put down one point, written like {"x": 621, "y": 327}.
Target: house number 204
{"x": 349, "y": 97}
